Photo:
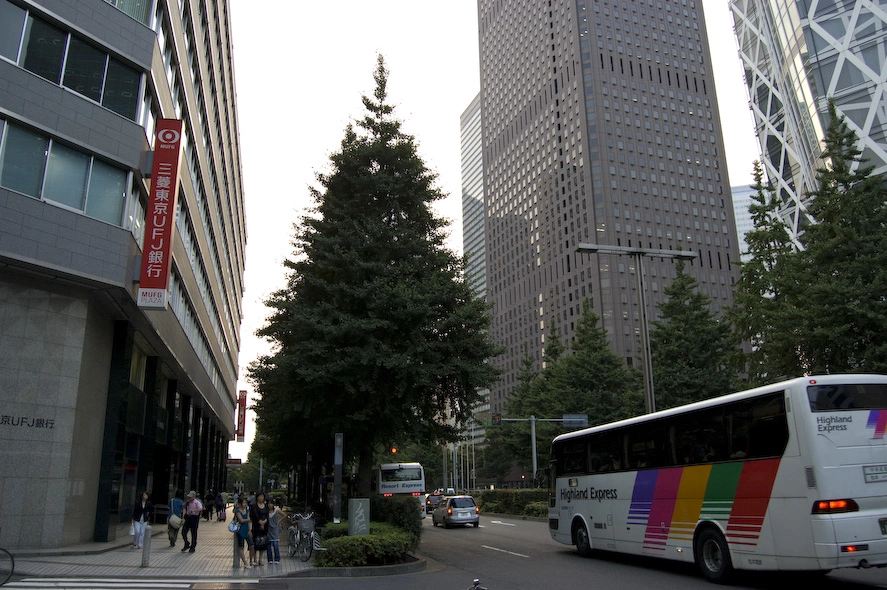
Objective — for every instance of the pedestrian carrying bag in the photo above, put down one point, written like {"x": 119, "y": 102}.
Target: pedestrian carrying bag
{"x": 175, "y": 521}
{"x": 233, "y": 526}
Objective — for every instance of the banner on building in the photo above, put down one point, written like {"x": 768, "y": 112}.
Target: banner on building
{"x": 241, "y": 416}
{"x": 160, "y": 215}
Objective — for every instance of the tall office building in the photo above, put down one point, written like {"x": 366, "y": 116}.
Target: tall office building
{"x": 797, "y": 55}
{"x": 600, "y": 125}
{"x": 104, "y": 394}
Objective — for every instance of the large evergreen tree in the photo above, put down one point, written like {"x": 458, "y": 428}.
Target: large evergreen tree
{"x": 689, "y": 346}
{"x": 376, "y": 334}
{"x": 757, "y": 318}
{"x": 821, "y": 308}
{"x": 839, "y": 279}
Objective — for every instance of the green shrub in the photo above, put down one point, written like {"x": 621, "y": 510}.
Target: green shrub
{"x": 536, "y": 509}
{"x": 384, "y": 545}
{"x": 400, "y": 511}
{"x": 331, "y": 531}
{"x": 509, "y": 501}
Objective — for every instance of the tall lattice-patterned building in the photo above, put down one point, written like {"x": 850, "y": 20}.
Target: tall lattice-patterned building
{"x": 798, "y": 54}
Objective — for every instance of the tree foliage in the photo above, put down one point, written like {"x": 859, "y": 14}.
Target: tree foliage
{"x": 376, "y": 334}
{"x": 586, "y": 377}
{"x": 689, "y": 346}
{"x": 756, "y": 317}
{"x": 838, "y": 281}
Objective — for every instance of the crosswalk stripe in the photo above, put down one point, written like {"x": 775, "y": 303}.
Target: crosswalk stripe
{"x": 120, "y": 583}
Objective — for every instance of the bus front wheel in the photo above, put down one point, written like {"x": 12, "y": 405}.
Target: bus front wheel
{"x": 583, "y": 541}
{"x": 713, "y": 556}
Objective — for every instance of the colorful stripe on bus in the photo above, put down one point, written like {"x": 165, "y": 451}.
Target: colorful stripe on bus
{"x": 878, "y": 422}
{"x": 670, "y": 502}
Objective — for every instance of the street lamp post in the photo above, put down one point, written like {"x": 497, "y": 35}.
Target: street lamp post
{"x": 638, "y": 254}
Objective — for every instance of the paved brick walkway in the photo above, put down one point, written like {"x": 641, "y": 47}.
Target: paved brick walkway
{"x": 214, "y": 557}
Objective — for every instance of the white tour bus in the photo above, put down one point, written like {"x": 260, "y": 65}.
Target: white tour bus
{"x": 403, "y": 478}
{"x": 791, "y": 476}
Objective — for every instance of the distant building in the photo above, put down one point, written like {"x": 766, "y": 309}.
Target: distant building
{"x": 473, "y": 232}
{"x": 797, "y": 55}
{"x": 600, "y": 125}
{"x": 102, "y": 398}
{"x": 742, "y": 199}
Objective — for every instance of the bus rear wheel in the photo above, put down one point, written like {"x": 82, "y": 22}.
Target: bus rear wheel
{"x": 583, "y": 541}
{"x": 713, "y": 556}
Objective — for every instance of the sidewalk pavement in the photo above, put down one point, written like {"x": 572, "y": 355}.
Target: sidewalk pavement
{"x": 213, "y": 557}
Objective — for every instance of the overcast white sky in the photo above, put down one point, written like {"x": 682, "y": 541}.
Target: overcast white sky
{"x": 300, "y": 70}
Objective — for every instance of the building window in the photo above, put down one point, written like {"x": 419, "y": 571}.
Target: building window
{"x": 88, "y": 71}
{"x": 66, "y": 176}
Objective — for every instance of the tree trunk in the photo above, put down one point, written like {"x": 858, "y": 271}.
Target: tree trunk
{"x": 365, "y": 470}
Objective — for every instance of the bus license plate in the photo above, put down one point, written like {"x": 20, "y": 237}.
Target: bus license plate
{"x": 883, "y": 523}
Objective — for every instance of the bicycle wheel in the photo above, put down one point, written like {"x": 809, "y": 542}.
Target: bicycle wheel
{"x": 7, "y": 566}
{"x": 305, "y": 548}
{"x": 294, "y": 543}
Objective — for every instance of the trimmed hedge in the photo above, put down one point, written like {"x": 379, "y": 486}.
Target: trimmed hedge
{"x": 384, "y": 545}
{"x": 533, "y": 502}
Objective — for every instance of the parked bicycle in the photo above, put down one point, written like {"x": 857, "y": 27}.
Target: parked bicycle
{"x": 303, "y": 535}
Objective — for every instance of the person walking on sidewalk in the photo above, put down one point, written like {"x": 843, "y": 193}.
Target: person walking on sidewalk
{"x": 141, "y": 516}
{"x": 176, "y": 506}
{"x": 193, "y": 510}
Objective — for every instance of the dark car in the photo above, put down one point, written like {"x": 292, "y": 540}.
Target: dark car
{"x": 456, "y": 510}
{"x": 431, "y": 502}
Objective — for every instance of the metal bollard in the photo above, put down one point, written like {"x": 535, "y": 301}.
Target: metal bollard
{"x": 146, "y": 546}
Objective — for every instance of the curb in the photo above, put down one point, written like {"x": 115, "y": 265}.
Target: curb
{"x": 417, "y": 564}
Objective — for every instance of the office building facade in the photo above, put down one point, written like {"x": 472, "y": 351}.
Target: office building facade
{"x": 473, "y": 243}
{"x": 600, "y": 125}
{"x": 102, "y": 398}
{"x": 797, "y": 55}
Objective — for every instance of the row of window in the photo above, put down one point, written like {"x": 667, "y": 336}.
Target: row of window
{"x": 39, "y": 166}
{"x": 66, "y": 59}
{"x": 749, "y": 429}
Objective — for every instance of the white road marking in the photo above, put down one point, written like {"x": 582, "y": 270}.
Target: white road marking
{"x": 504, "y": 551}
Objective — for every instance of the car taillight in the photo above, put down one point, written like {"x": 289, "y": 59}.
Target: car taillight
{"x": 477, "y": 509}
{"x": 449, "y": 512}
{"x": 835, "y": 506}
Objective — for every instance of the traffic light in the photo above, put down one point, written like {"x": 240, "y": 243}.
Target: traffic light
{"x": 497, "y": 419}
{"x": 393, "y": 450}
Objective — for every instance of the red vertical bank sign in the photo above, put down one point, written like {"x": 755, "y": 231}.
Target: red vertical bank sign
{"x": 160, "y": 215}
{"x": 241, "y": 416}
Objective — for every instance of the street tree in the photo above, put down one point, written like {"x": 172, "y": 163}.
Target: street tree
{"x": 690, "y": 347}
{"x": 758, "y": 320}
{"x": 376, "y": 334}
{"x": 838, "y": 280}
